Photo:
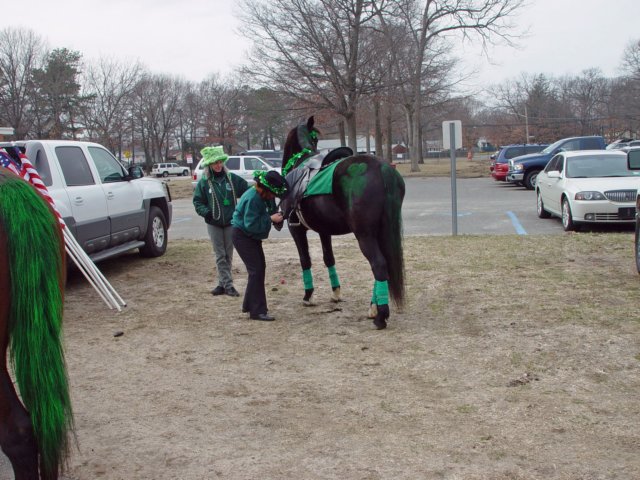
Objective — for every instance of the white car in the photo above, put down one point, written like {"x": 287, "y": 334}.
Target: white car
{"x": 588, "y": 186}
{"x": 166, "y": 169}
{"x": 241, "y": 165}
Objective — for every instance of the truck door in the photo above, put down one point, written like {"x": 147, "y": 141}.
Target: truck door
{"x": 124, "y": 197}
{"x": 88, "y": 205}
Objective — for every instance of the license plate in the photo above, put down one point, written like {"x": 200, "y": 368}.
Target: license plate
{"x": 627, "y": 213}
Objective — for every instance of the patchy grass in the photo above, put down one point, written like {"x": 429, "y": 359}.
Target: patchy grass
{"x": 441, "y": 167}
{"x": 511, "y": 363}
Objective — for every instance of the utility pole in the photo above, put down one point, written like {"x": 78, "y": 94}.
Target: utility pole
{"x": 181, "y": 135}
{"x": 133, "y": 143}
{"x": 526, "y": 124}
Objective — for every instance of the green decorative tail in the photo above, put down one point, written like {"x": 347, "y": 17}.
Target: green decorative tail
{"x": 34, "y": 249}
{"x": 390, "y": 235}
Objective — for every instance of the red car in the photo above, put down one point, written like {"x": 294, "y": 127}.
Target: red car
{"x": 499, "y": 171}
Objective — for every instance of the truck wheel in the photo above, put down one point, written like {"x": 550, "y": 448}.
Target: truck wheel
{"x": 530, "y": 179}
{"x": 567, "y": 219}
{"x": 165, "y": 174}
{"x": 542, "y": 213}
{"x": 638, "y": 245}
{"x": 155, "y": 240}
{"x": 185, "y": 173}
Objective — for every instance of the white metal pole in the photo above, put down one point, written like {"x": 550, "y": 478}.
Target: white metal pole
{"x": 454, "y": 192}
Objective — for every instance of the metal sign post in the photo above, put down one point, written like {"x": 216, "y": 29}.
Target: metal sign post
{"x": 452, "y": 136}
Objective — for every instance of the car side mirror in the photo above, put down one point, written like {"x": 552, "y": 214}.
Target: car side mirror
{"x": 633, "y": 159}
{"x": 553, "y": 174}
{"x": 135, "y": 171}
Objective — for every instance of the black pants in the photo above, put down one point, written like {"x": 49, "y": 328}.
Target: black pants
{"x": 252, "y": 254}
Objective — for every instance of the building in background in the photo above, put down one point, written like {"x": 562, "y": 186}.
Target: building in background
{"x": 5, "y": 132}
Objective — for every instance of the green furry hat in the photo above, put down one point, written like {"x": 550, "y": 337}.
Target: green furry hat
{"x": 212, "y": 155}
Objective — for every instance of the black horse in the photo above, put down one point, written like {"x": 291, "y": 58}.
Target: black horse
{"x": 362, "y": 195}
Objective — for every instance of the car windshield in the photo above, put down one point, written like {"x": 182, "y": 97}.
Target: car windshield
{"x": 552, "y": 147}
{"x": 599, "y": 166}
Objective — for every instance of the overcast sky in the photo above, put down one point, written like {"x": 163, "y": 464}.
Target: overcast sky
{"x": 195, "y": 38}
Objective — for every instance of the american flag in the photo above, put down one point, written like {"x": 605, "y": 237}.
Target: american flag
{"x": 25, "y": 169}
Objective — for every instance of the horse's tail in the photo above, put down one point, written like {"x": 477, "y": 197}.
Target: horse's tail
{"x": 390, "y": 235}
{"x": 35, "y": 252}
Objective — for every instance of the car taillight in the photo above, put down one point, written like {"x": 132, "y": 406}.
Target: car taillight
{"x": 195, "y": 177}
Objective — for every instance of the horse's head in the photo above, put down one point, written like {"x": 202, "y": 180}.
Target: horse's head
{"x": 302, "y": 138}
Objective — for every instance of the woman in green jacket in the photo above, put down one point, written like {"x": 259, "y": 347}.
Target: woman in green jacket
{"x": 215, "y": 198}
{"x": 251, "y": 224}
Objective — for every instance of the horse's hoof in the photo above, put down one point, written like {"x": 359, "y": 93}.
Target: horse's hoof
{"x": 380, "y": 324}
{"x": 308, "y": 303}
{"x": 335, "y": 295}
{"x": 381, "y": 318}
{"x": 373, "y": 311}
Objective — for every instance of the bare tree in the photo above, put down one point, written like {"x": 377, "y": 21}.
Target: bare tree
{"x": 264, "y": 123}
{"x": 222, "y": 102}
{"x": 631, "y": 60}
{"x": 586, "y": 97}
{"x": 628, "y": 88}
{"x": 316, "y": 51}
{"x": 157, "y": 101}
{"x": 109, "y": 86}
{"x": 427, "y": 23}
{"x": 21, "y": 51}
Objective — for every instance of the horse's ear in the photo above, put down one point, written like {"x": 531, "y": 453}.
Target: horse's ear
{"x": 310, "y": 123}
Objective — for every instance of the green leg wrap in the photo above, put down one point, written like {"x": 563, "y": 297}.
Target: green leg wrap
{"x": 307, "y": 279}
{"x": 333, "y": 277}
{"x": 374, "y": 299}
{"x": 381, "y": 292}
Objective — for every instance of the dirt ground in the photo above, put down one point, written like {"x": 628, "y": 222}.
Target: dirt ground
{"x": 501, "y": 366}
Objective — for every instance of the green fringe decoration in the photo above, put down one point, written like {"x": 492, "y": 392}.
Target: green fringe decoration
{"x": 333, "y": 276}
{"x": 307, "y": 279}
{"x": 292, "y": 161}
{"x": 36, "y": 354}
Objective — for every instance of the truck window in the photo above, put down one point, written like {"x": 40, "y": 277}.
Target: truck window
{"x": 233, "y": 163}
{"x": 108, "y": 167}
{"x": 514, "y": 152}
{"x": 571, "y": 145}
{"x": 591, "y": 144}
{"x": 42, "y": 166}
{"x": 75, "y": 167}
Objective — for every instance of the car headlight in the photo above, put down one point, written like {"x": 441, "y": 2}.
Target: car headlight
{"x": 590, "y": 196}
{"x": 517, "y": 167}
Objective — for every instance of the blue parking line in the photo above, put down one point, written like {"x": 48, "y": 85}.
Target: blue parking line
{"x": 516, "y": 223}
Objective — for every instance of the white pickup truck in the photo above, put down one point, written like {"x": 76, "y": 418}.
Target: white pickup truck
{"x": 108, "y": 209}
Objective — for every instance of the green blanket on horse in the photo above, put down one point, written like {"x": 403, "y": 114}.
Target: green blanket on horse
{"x": 322, "y": 182}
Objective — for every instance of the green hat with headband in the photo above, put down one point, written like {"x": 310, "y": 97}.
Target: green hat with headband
{"x": 212, "y": 155}
{"x": 272, "y": 181}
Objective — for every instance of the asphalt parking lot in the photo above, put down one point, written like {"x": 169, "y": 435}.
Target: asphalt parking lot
{"x": 484, "y": 206}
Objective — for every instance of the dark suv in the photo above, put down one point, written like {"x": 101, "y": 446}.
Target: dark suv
{"x": 500, "y": 166}
{"x": 524, "y": 170}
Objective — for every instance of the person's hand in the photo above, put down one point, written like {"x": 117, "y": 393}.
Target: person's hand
{"x": 277, "y": 218}
{"x": 208, "y": 217}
